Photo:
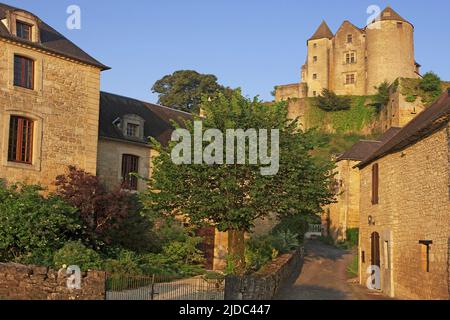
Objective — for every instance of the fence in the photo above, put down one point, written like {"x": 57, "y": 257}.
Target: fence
{"x": 161, "y": 287}
{"x": 314, "y": 230}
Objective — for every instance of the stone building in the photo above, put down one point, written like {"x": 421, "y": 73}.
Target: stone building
{"x": 49, "y": 111}
{"x": 405, "y": 208}
{"x": 344, "y": 214}
{"x": 354, "y": 60}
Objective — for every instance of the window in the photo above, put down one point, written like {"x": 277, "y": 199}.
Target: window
{"x": 130, "y": 165}
{"x": 350, "y": 78}
{"x": 23, "y": 30}
{"x": 315, "y": 45}
{"x": 350, "y": 57}
{"x": 350, "y": 38}
{"x": 23, "y": 72}
{"x": 375, "y": 183}
{"x": 132, "y": 130}
{"x": 315, "y": 59}
{"x": 315, "y": 76}
{"x": 20, "y": 148}
{"x": 363, "y": 256}
{"x": 399, "y": 25}
{"x": 425, "y": 251}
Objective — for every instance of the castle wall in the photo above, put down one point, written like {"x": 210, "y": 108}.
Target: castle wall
{"x": 414, "y": 205}
{"x": 317, "y": 75}
{"x": 64, "y": 107}
{"x": 390, "y": 52}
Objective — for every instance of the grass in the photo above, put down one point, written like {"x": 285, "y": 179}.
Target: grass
{"x": 353, "y": 268}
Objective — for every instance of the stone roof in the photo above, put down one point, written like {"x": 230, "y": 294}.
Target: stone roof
{"x": 157, "y": 118}
{"x": 362, "y": 149}
{"x": 322, "y": 32}
{"x": 50, "y": 40}
{"x": 390, "y": 14}
{"x": 426, "y": 123}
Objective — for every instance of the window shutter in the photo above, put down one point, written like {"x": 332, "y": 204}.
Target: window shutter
{"x": 375, "y": 183}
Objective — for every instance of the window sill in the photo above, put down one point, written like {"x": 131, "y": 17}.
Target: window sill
{"x": 24, "y": 166}
{"x": 26, "y": 90}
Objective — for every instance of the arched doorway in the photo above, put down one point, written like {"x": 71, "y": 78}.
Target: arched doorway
{"x": 375, "y": 245}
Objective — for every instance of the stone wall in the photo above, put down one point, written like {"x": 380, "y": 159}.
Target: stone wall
{"x": 264, "y": 284}
{"x": 19, "y": 282}
{"x": 64, "y": 106}
{"x": 413, "y": 206}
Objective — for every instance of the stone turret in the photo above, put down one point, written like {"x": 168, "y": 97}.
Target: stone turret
{"x": 390, "y": 49}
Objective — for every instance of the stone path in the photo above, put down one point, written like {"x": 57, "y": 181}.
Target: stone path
{"x": 324, "y": 277}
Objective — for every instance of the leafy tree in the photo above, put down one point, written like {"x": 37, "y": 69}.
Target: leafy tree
{"x": 232, "y": 197}
{"x": 381, "y": 98}
{"x": 184, "y": 89}
{"x": 330, "y": 101}
{"x": 34, "y": 227}
{"x": 101, "y": 211}
{"x": 431, "y": 83}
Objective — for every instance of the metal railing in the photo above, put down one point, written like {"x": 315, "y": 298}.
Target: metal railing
{"x": 162, "y": 287}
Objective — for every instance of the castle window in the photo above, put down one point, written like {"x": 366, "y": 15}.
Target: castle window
{"x": 20, "y": 148}
{"x": 23, "y": 72}
{"x": 375, "y": 183}
{"x": 133, "y": 130}
{"x": 350, "y": 38}
{"x": 350, "y": 57}
{"x": 23, "y": 30}
{"x": 350, "y": 78}
{"x": 399, "y": 25}
{"x": 315, "y": 45}
{"x": 315, "y": 59}
{"x": 130, "y": 166}
{"x": 315, "y": 76}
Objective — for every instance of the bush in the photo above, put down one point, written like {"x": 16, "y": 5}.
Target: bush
{"x": 330, "y": 101}
{"x": 431, "y": 83}
{"x": 75, "y": 253}
{"x": 123, "y": 262}
{"x": 353, "y": 237}
{"x": 285, "y": 241}
{"x": 259, "y": 251}
{"x": 297, "y": 224}
{"x": 33, "y": 227}
{"x": 381, "y": 98}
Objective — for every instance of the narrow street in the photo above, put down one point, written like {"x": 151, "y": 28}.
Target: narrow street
{"x": 324, "y": 277}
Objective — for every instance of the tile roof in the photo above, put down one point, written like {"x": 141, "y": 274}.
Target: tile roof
{"x": 157, "y": 118}
{"x": 322, "y": 32}
{"x": 362, "y": 149}
{"x": 427, "y": 122}
{"x": 50, "y": 40}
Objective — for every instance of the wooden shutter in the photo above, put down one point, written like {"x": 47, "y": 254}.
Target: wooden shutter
{"x": 375, "y": 183}
{"x": 130, "y": 164}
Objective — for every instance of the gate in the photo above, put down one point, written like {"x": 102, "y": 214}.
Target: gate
{"x": 162, "y": 287}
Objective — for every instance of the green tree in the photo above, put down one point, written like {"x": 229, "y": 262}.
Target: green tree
{"x": 330, "y": 101}
{"x": 431, "y": 83}
{"x": 232, "y": 197}
{"x": 381, "y": 98}
{"x": 184, "y": 89}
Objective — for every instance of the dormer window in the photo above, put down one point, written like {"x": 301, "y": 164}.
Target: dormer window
{"x": 133, "y": 130}
{"x": 24, "y": 30}
{"x": 132, "y": 126}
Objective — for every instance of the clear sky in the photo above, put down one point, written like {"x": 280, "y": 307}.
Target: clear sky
{"x": 252, "y": 44}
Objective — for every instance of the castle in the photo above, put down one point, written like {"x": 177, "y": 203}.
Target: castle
{"x": 355, "y": 61}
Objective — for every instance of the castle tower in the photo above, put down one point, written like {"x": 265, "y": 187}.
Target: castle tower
{"x": 317, "y": 70}
{"x": 390, "y": 49}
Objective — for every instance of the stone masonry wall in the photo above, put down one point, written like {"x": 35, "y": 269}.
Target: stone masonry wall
{"x": 19, "y": 282}
{"x": 264, "y": 284}
{"x": 414, "y": 205}
{"x": 64, "y": 106}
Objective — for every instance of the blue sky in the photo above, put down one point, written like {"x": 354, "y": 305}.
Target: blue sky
{"x": 252, "y": 44}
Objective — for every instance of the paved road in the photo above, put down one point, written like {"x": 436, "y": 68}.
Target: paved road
{"x": 324, "y": 277}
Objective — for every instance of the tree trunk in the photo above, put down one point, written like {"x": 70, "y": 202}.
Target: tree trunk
{"x": 236, "y": 250}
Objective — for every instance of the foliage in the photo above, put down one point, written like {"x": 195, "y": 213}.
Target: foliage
{"x": 431, "y": 83}
{"x": 327, "y": 240}
{"x": 353, "y": 268}
{"x": 101, "y": 210}
{"x": 285, "y": 241}
{"x": 353, "y": 237}
{"x": 381, "y": 98}
{"x": 232, "y": 197}
{"x": 34, "y": 227}
{"x": 330, "y": 101}
{"x": 124, "y": 262}
{"x": 298, "y": 225}
{"x": 75, "y": 253}
{"x": 184, "y": 89}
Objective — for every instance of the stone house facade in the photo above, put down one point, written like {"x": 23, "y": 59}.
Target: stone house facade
{"x": 48, "y": 101}
{"x": 344, "y": 214}
{"x": 356, "y": 60}
{"x": 405, "y": 208}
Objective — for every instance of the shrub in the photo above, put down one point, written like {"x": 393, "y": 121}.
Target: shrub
{"x": 382, "y": 96}
{"x": 330, "y": 101}
{"x": 431, "y": 83}
{"x": 259, "y": 251}
{"x": 297, "y": 224}
{"x": 124, "y": 262}
{"x": 285, "y": 241}
{"x": 75, "y": 253}
{"x": 100, "y": 210}
{"x": 353, "y": 237}
{"x": 34, "y": 227}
